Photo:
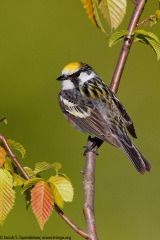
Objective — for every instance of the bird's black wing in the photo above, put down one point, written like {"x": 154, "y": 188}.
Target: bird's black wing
{"x": 84, "y": 116}
{"x": 99, "y": 90}
{"x": 137, "y": 159}
{"x": 124, "y": 114}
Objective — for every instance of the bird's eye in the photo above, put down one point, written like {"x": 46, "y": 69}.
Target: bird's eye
{"x": 77, "y": 74}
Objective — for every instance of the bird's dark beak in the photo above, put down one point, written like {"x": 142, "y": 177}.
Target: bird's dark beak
{"x": 61, "y": 78}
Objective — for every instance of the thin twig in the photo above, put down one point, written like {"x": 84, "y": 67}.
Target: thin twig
{"x": 14, "y": 158}
{"x": 126, "y": 46}
{"x": 134, "y": 1}
{"x": 55, "y": 207}
{"x": 70, "y": 223}
{"x": 148, "y": 21}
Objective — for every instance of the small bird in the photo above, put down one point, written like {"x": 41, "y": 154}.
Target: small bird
{"x": 90, "y": 106}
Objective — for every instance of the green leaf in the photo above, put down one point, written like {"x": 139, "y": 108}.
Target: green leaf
{"x": 8, "y": 165}
{"x": 17, "y": 180}
{"x": 56, "y": 195}
{"x": 30, "y": 183}
{"x": 91, "y": 10}
{"x": 30, "y": 172}
{"x": 113, "y": 11}
{"x": 99, "y": 24}
{"x": 116, "y": 36}
{"x": 7, "y": 194}
{"x": 17, "y": 146}
{"x": 56, "y": 166}
{"x": 148, "y": 34}
{"x": 155, "y": 46}
{"x": 63, "y": 175}
{"x": 43, "y": 166}
{"x": 3, "y": 119}
{"x": 148, "y": 38}
{"x": 61, "y": 189}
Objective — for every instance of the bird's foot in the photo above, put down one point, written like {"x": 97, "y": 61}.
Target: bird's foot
{"x": 89, "y": 149}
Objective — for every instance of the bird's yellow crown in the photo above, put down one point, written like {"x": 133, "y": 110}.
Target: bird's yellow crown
{"x": 72, "y": 67}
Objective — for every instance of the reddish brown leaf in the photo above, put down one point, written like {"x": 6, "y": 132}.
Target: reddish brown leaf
{"x": 2, "y": 156}
{"x": 41, "y": 201}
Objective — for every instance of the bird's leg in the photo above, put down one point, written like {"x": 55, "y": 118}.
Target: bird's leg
{"x": 96, "y": 142}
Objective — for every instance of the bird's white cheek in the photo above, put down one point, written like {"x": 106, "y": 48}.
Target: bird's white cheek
{"x": 83, "y": 77}
{"x": 66, "y": 85}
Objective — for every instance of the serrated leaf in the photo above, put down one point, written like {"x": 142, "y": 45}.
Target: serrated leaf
{"x": 56, "y": 166}
{"x": 7, "y": 194}
{"x": 92, "y": 12}
{"x": 8, "y": 165}
{"x": 113, "y": 11}
{"x": 30, "y": 183}
{"x": 88, "y": 5}
{"x": 148, "y": 34}
{"x": 116, "y": 36}
{"x": 141, "y": 39}
{"x": 17, "y": 180}
{"x": 155, "y": 46}
{"x": 3, "y": 119}
{"x": 63, "y": 175}
{"x": 42, "y": 166}
{"x": 30, "y": 172}
{"x": 62, "y": 189}
{"x": 41, "y": 202}
{"x": 148, "y": 38}
{"x": 17, "y": 146}
{"x": 97, "y": 16}
{"x": 2, "y": 156}
{"x": 56, "y": 195}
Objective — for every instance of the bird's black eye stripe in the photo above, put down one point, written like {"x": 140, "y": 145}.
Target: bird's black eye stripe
{"x": 76, "y": 74}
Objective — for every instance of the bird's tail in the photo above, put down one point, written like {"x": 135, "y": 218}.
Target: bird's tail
{"x": 138, "y": 160}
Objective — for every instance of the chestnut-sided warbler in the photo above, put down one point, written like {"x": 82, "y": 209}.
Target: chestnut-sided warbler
{"x": 90, "y": 106}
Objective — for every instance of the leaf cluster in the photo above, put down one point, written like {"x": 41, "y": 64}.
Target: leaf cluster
{"x": 43, "y": 194}
{"x": 40, "y": 193}
{"x": 113, "y": 12}
{"x": 141, "y": 36}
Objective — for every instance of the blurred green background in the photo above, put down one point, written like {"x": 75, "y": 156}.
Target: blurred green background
{"x": 37, "y": 39}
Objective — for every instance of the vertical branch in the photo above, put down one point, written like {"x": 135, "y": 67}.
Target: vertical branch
{"x": 89, "y": 172}
{"x": 89, "y": 188}
{"x": 126, "y": 46}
